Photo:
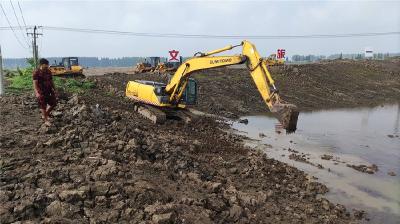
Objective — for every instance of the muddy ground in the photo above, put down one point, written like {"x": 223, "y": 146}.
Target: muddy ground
{"x": 101, "y": 163}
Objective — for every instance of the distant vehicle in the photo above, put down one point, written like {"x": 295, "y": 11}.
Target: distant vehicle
{"x": 369, "y": 53}
{"x": 69, "y": 66}
{"x": 168, "y": 66}
{"x": 272, "y": 60}
{"x": 147, "y": 66}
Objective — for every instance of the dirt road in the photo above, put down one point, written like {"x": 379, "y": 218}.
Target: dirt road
{"x": 100, "y": 162}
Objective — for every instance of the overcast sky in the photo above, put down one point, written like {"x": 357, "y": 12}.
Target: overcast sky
{"x": 202, "y": 17}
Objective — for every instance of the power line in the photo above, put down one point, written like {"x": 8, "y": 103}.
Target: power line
{"x": 16, "y": 17}
{"x": 16, "y": 37}
{"x": 14, "y": 27}
{"x": 22, "y": 15}
{"x": 179, "y": 35}
{"x": 207, "y": 36}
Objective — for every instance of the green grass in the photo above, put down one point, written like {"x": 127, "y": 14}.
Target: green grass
{"x": 21, "y": 81}
{"x": 73, "y": 85}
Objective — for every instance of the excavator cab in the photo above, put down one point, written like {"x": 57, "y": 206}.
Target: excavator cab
{"x": 189, "y": 97}
{"x": 154, "y": 61}
{"x": 69, "y": 62}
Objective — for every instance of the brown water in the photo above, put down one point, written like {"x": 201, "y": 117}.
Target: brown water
{"x": 352, "y": 136}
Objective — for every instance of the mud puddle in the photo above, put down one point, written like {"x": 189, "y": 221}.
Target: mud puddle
{"x": 328, "y": 143}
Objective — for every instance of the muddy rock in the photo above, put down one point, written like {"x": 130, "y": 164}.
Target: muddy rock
{"x": 326, "y": 157}
{"x": 3, "y": 196}
{"x": 391, "y": 173}
{"x": 158, "y": 208}
{"x": 58, "y": 208}
{"x": 106, "y": 171}
{"x": 364, "y": 168}
{"x": 6, "y": 215}
{"x": 243, "y": 121}
{"x": 233, "y": 170}
{"x": 100, "y": 188}
{"x": 359, "y": 214}
{"x": 326, "y": 205}
{"x": 235, "y": 213}
{"x": 72, "y": 196}
{"x": 164, "y": 218}
{"x": 213, "y": 187}
{"x": 74, "y": 100}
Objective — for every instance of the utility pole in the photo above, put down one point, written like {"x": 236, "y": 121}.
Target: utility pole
{"x": 34, "y": 45}
{"x": 1, "y": 75}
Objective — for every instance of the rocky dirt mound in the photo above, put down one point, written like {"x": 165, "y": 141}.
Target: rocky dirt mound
{"x": 101, "y": 163}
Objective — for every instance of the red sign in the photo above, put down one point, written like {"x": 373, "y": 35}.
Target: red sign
{"x": 281, "y": 53}
{"x": 174, "y": 55}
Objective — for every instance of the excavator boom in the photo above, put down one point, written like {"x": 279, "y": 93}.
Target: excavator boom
{"x": 173, "y": 92}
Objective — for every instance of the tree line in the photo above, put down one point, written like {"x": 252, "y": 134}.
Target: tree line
{"x": 12, "y": 63}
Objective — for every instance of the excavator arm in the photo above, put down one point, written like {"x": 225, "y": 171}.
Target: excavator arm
{"x": 287, "y": 114}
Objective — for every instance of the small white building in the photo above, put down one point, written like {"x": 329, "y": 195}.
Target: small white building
{"x": 369, "y": 53}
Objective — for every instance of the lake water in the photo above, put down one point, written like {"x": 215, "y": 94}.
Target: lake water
{"x": 362, "y": 136}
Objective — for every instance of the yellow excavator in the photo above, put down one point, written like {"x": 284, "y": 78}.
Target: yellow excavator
{"x": 68, "y": 66}
{"x": 158, "y": 101}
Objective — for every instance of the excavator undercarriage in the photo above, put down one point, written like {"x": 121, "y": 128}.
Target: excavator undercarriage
{"x": 160, "y": 115}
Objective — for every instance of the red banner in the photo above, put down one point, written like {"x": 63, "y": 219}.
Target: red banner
{"x": 174, "y": 55}
{"x": 281, "y": 53}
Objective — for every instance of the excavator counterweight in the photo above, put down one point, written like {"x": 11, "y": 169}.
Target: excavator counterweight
{"x": 181, "y": 90}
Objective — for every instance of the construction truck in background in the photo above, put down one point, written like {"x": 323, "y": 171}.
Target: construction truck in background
{"x": 160, "y": 101}
{"x": 69, "y": 66}
{"x": 273, "y": 61}
{"x": 147, "y": 66}
{"x": 168, "y": 66}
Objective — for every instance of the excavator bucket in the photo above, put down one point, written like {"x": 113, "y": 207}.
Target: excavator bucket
{"x": 287, "y": 114}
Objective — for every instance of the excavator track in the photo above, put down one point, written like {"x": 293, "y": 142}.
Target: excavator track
{"x": 181, "y": 114}
{"x": 154, "y": 114}
{"x": 159, "y": 115}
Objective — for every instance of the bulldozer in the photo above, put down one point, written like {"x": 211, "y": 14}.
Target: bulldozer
{"x": 273, "y": 61}
{"x": 69, "y": 66}
{"x": 147, "y": 66}
{"x": 160, "y": 101}
{"x": 168, "y": 66}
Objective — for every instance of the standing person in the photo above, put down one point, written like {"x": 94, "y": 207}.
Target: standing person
{"x": 45, "y": 90}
